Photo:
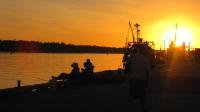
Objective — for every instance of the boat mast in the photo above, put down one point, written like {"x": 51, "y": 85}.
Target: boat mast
{"x": 138, "y": 31}
{"x": 175, "y": 35}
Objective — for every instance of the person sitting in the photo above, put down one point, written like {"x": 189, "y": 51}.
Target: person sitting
{"x": 88, "y": 71}
{"x": 53, "y": 83}
{"x": 75, "y": 73}
{"x": 63, "y": 76}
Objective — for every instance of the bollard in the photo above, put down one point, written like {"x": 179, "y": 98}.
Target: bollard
{"x": 18, "y": 83}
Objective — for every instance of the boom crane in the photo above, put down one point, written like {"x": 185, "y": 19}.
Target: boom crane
{"x": 132, "y": 31}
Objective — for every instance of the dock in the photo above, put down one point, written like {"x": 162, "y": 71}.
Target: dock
{"x": 173, "y": 87}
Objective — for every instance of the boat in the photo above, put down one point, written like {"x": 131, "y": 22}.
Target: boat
{"x": 146, "y": 46}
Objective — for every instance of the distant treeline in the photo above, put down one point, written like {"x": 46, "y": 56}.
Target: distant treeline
{"x": 53, "y": 47}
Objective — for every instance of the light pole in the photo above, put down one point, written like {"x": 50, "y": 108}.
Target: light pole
{"x": 164, "y": 44}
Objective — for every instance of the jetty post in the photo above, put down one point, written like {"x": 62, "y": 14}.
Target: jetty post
{"x": 18, "y": 83}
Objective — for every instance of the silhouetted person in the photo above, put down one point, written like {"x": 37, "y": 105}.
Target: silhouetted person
{"x": 53, "y": 83}
{"x": 75, "y": 73}
{"x": 63, "y": 76}
{"x": 139, "y": 77}
{"x": 126, "y": 62}
{"x": 88, "y": 71}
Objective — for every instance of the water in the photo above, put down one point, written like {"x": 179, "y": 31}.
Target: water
{"x": 34, "y": 68}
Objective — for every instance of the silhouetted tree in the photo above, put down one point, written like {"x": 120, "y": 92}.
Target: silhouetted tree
{"x": 53, "y": 47}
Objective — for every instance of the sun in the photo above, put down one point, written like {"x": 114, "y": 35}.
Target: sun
{"x": 178, "y": 36}
{"x": 183, "y": 35}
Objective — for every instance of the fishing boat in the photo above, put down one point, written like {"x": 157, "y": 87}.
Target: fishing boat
{"x": 137, "y": 42}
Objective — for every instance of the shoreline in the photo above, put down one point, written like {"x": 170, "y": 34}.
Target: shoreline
{"x": 99, "y": 77}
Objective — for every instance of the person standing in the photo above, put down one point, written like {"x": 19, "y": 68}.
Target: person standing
{"x": 139, "y": 77}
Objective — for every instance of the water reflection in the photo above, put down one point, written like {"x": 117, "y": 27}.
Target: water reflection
{"x": 33, "y": 68}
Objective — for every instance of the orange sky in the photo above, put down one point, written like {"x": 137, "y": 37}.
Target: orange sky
{"x": 98, "y": 22}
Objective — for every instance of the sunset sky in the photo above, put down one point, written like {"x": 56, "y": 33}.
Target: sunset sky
{"x": 99, "y": 22}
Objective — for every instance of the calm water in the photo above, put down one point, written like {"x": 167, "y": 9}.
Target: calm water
{"x": 33, "y": 68}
